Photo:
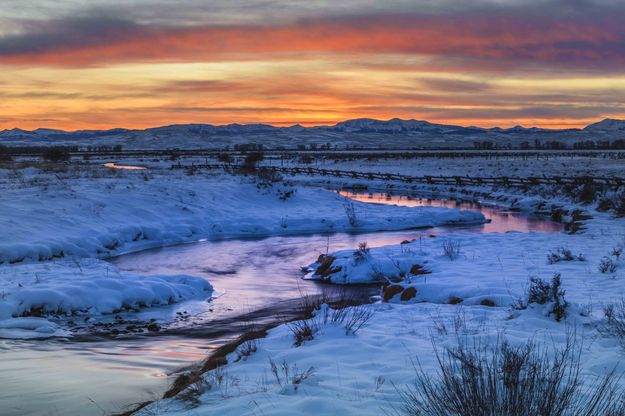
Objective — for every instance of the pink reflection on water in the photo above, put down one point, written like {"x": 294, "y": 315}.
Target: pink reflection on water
{"x": 112, "y": 165}
{"x": 501, "y": 221}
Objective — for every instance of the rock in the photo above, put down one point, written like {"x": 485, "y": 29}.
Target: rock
{"x": 455, "y": 300}
{"x": 487, "y": 302}
{"x": 325, "y": 268}
{"x": 408, "y": 293}
{"x": 417, "y": 269}
{"x": 391, "y": 291}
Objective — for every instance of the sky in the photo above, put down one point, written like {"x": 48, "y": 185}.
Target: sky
{"x": 94, "y": 64}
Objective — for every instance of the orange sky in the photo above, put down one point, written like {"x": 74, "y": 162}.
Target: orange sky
{"x": 72, "y": 67}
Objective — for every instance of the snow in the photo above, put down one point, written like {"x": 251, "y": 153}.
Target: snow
{"x": 491, "y": 266}
{"x": 49, "y": 218}
{"x": 58, "y": 225}
{"x": 29, "y": 328}
{"x": 360, "y": 373}
{"x": 88, "y": 287}
{"x": 61, "y": 225}
{"x": 393, "y": 133}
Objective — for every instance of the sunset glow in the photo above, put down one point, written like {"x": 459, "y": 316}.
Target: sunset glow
{"x": 69, "y": 66}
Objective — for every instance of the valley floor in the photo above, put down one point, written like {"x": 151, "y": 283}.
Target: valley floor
{"x": 449, "y": 289}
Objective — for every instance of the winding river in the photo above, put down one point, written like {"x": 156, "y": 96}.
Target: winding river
{"x": 256, "y": 279}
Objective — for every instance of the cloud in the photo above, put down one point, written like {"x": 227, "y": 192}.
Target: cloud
{"x": 454, "y": 85}
{"x": 595, "y": 40}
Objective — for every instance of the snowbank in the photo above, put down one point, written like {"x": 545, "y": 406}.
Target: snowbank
{"x": 486, "y": 267}
{"x": 83, "y": 287}
{"x": 30, "y": 328}
{"x": 44, "y": 218}
{"x": 360, "y": 374}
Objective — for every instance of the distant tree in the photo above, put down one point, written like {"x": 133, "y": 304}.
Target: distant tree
{"x": 56, "y": 154}
{"x": 251, "y": 161}
{"x": 5, "y": 155}
{"x": 618, "y": 144}
{"x": 224, "y": 157}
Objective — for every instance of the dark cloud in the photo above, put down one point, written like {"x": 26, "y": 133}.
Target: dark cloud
{"x": 499, "y": 39}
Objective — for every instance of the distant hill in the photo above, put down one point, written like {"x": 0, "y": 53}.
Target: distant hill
{"x": 362, "y": 132}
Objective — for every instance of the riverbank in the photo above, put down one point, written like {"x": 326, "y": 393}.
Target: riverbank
{"x": 60, "y": 221}
{"x": 469, "y": 289}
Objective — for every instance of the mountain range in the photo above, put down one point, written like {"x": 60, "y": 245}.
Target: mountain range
{"x": 394, "y": 133}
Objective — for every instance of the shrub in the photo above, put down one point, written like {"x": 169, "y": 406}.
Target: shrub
{"x": 619, "y": 204}
{"x": 246, "y": 349}
{"x": 605, "y": 204}
{"x": 268, "y": 176}
{"x": 614, "y": 321}
{"x": 451, "y": 249}
{"x": 563, "y": 254}
{"x": 55, "y": 154}
{"x": 251, "y": 161}
{"x": 352, "y": 319}
{"x": 542, "y": 292}
{"x": 285, "y": 194}
{"x": 350, "y": 211}
{"x": 224, "y": 158}
{"x": 5, "y": 155}
{"x": 304, "y": 330}
{"x": 362, "y": 251}
{"x": 286, "y": 374}
{"x": 607, "y": 265}
{"x": 510, "y": 380}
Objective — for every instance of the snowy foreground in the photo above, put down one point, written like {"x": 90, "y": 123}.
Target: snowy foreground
{"x": 57, "y": 226}
{"x": 441, "y": 291}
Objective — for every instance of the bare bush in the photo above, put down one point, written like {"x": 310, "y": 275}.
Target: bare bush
{"x": 202, "y": 383}
{"x": 304, "y": 330}
{"x": 510, "y": 380}
{"x": 286, "y": 374}
{"x": 542, "y": 292}
{"x": 563, "y": 254}
{"x": 5, "y": 154}
{"x": 362, "y": 251}
{"x": 614, "y": 321}
{"x": 56, "y": 154}
{"x": 251, "y": 161}
{"x": 350, "y": 211}
{"x": 607, "y": 265}
{"x": 351, "y": 318}
{"x": 458, "y": 325}
{"x": 246, "y": 349}
{"x": 224, "y": 157}
{"x": 451, "y": 249}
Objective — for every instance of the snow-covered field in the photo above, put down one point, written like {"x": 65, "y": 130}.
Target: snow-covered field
{"x": 57, "y": 224}
{"x": 439, "y": 290}
{"x": 602, "y": 164}
{"x": 468, "y": 288}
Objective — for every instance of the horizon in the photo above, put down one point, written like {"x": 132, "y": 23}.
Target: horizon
{"x": 285, "y": 125}
{"x": 74, "y": 66}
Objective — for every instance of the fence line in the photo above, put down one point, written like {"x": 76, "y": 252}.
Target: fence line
{"x": 433, "y": 180}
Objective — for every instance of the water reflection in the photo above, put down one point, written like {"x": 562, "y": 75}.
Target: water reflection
{"x": 92, "y": 378}
{"x": 112, "y": 165}
{"x": 501, "y": 221}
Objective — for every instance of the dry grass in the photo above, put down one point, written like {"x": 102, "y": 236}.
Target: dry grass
{"x": 508, "y": 380}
